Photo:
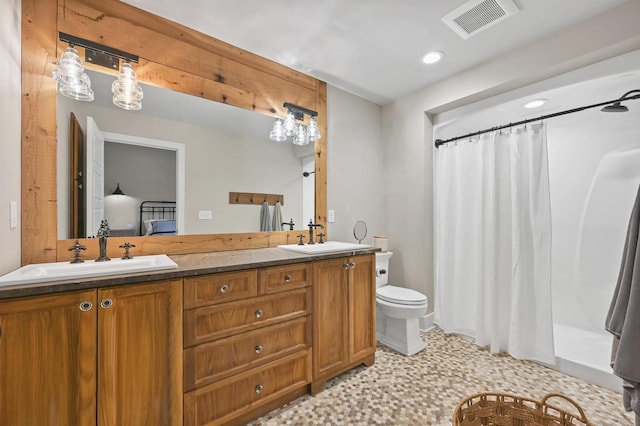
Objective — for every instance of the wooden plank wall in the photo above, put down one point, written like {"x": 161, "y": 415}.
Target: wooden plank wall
{"x": 172, "y": 56}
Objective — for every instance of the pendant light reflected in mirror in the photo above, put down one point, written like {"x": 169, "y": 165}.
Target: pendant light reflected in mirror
{"x": 127, "y": 93}
{"x": 118, "y": 191}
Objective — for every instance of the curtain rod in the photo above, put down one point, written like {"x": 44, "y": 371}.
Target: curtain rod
{"x": 439, "y": 142}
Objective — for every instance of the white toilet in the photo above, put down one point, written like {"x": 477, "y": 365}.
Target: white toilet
{"x": 397, "y": 311}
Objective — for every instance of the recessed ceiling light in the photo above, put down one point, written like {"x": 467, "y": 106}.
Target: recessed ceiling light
{"x": 535, "y": 103}
{"x": 433, "y": 57}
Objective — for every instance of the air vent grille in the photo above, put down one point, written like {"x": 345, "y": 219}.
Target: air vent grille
{"x": 477, "y": 15}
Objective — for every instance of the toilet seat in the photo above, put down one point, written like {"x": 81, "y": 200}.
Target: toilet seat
{"x": 401, "y": 295}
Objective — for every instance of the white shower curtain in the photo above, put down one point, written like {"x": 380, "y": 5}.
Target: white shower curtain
{"x": 493, "y": 242}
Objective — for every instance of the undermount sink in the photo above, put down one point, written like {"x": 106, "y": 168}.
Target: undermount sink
{"x": 327, "y": 247}
{"x": 62, "y": 271}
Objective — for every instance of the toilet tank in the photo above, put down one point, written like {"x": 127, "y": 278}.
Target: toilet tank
{"x": 382, "y": 268}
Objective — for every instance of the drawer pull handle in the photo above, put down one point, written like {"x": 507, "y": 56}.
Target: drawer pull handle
{"x": 106, "y": 303}
{"x": 259, "y": 388}
{"x": 259, "y": 313}
{"x": 224, "y": 288}
{"x": 345, "y": 266}
{"x": 86, "y": 306}
{"x": 287, "y": 278}
{"x": 352, "y": 265}
{"x": 259, "y": 349}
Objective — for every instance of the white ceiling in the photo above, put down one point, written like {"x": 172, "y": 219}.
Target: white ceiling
{"x": 372, "y": 48}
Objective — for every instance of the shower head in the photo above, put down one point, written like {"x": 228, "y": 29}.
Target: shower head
{"x": 617, "y": 106}
{"x": 306, "y": 174}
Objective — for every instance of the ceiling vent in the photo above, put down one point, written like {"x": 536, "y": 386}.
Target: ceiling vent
{"x": 477, "y": 15}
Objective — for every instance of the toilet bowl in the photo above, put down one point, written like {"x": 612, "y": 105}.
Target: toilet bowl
{"x": 398, "y": 310}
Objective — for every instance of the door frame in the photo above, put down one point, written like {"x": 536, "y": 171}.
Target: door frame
{"x": 178, "y": 148}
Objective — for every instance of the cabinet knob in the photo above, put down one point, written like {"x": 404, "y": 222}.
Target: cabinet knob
{"x": 259, "y": 313}
{"x": 86, "y": 306}
{"x": 259, "y": 349}
{"x": 352, "y": 265}
{"x": 106, "y": 303}
{"x": 345, "y": 266}
{"x": 224, "y": 288}
{"x": 287, "y": 278}
{"x": 259, "y": 388}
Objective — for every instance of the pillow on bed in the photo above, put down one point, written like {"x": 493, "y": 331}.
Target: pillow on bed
{"x": 163, "y": 227}
{"x": 147, "y": 226}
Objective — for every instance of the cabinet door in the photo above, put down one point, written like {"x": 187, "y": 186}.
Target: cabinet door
{"x": 140, "y": 354}
{"x": 47, "y": 360}
{"x": 362, "y": 306}
{"x": 330, "y": 316}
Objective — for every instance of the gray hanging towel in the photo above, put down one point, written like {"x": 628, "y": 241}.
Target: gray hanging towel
{"x": 623, "y": 319}
{"x": 265, "y": 217}
{"x": 277, "y": 218}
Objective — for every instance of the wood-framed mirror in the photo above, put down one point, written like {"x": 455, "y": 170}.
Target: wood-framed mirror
{"x": 171, "y": 56}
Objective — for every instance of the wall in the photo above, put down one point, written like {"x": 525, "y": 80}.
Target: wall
{"x": 355, "y": 165}
{"x": 408, "y": 136}
{"x": 594, "y": 178}
{"x": 143, "y": 173}
{"x": 217, "y": 162}
{"x": 10, "y": 174}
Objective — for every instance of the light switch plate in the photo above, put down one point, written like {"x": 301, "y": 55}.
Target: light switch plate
{"x": 332, "y": 216}
{"x": 13, "y": 215}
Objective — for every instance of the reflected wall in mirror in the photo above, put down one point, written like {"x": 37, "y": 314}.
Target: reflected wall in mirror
{"x": 226, "y": 149}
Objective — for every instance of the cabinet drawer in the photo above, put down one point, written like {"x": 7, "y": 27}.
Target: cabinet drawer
{"x": 219, "y": 288}
{"x": 206, "y": 363}
{"x": 284, "y": 278}
{"x": 214, "y": 322}
{"x": 220, "y": 402}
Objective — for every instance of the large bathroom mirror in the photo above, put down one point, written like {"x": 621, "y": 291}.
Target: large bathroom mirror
{"x": 172, "y": 56}
{"x": 178, "y": 149}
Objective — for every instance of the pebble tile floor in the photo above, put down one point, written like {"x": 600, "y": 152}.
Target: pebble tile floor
{"x": 425, "y": 389}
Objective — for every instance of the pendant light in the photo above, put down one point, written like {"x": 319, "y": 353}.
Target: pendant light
{"x": 302, "y": 135}
{"x": 72, "y": 81}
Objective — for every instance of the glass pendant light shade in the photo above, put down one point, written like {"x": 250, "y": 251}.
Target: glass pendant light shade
{"x": 301, "y": 137}
{"x": 277, "y": 133}
{"x": 289, "y": 124}
{"x": 72, "y": 81}
{"x": 127, "y": 93}
{"x": 300, "y": 134}
{"x": 313, "y": 133}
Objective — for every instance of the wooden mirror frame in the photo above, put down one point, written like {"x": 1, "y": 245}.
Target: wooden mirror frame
{"x": 171, "y": 56}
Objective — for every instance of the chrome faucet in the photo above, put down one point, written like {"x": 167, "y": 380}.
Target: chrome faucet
{"x": 312, "y": 225}
{"x": 103, "y": 234}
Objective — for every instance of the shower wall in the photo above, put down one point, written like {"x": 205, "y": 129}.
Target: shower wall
{"x": 594, "y": 173}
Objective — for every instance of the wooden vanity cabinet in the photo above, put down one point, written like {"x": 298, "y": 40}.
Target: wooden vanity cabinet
{"x": 110, "y": 356}
{"x": 246, "y": 356}
{"x": 140, "y": 354}
{"x": 48, "y": 360}
{"x": 344, "y": 316}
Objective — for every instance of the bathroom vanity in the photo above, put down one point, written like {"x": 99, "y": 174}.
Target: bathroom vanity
{"x": 225, "y": 338}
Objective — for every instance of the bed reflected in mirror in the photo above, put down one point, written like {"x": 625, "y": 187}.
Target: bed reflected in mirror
{"x": 179, "y": 149}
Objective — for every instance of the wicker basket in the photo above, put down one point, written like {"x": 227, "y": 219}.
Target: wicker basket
{"x": 488, "y": 409}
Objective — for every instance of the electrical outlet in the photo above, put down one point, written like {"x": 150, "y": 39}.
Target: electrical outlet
{"x": 332, "y": 216}
{"x": 13, "y": 215}
{"x": 205, "y": 214}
